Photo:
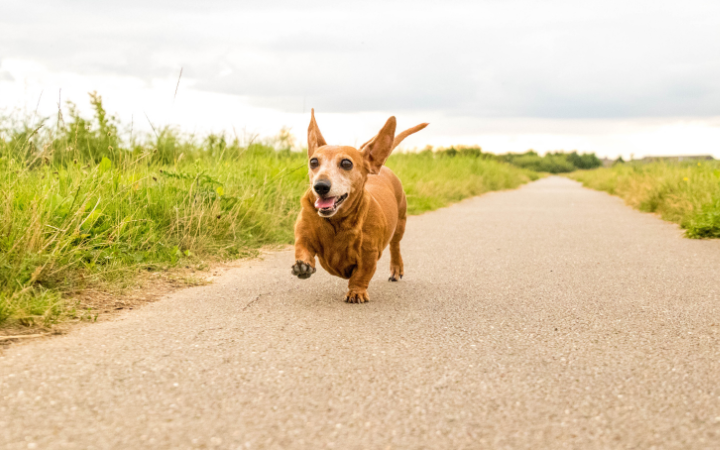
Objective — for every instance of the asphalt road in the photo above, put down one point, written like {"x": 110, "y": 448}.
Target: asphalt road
{"x": 551, "y": 316}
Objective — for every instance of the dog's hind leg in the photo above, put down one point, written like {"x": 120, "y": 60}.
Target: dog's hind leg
{"x": 396, "y": 263}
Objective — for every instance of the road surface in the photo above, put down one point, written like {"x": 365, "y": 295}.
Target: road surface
{"x": 551, "y": 316}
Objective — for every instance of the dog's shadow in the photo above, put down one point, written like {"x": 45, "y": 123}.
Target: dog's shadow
{"x": 326, "y": 291}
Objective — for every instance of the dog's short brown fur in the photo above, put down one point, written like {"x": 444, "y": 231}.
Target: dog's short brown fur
{"x": 354, "y": 208}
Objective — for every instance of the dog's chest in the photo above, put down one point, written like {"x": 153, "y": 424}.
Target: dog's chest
{"x": 340, "y": 256}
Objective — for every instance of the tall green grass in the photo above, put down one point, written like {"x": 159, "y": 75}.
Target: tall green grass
{"x": 64, "y": 228}
{"x": 686, "y": 193}
{"x": 435, "y": 179}
{"x": 83, "y": 207}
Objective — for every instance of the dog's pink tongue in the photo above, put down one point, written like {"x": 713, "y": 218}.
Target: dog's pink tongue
{"x": 323, "y": 203}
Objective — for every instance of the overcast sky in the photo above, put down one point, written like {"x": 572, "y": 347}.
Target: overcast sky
{"x": 616, "y": 77}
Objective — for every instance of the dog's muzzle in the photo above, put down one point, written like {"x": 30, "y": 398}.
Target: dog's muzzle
{"x": 328, "y": 206}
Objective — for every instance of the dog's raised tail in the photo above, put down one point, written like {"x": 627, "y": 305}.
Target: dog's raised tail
{"x": 400, "y": 137}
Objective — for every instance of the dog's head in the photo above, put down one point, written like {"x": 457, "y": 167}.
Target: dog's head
{"x": 338, "y": 173}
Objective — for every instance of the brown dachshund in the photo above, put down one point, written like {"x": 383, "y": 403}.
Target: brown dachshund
{"x": 354, "y": 208}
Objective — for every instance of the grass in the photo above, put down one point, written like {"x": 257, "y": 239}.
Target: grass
{"x": 84, "y": 209}
{"x": 434, "y": 180}
{"x": 685, "y": 193}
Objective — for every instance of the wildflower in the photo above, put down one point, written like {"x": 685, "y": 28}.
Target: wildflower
{"x": 686, "y": 179}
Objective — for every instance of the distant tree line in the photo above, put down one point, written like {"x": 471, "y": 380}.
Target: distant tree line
{"x": 551, "y": 162}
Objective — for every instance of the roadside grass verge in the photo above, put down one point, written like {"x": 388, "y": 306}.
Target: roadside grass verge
{"x": 82, "y": 209}
{"x": 434, "y": 180}
{"x": 68, "y": 228}
{"x": 686, "y": 193}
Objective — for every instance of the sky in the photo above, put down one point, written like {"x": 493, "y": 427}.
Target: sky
{"x": 630, "y": 77}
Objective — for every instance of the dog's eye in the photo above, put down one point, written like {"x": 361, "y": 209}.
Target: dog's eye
{"x": 314, "y": 163}
{"x": 346, "y": 164}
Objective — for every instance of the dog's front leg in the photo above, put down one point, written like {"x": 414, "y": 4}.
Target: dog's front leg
{"x": 304, "y": 260}
{"x": 360, "y": 279}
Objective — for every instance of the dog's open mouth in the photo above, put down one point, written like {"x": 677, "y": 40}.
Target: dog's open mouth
{"x": 329, "y": 205}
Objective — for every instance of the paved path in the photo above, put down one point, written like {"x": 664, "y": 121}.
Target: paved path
{"x": 547, "y": 317}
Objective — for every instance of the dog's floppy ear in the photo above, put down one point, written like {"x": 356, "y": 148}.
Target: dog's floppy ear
{"x": 400, "y": 137}
{"x": 377, "y": 149}
{"x": 315, "y": 137}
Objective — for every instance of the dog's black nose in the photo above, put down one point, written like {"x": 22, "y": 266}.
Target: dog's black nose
{"x": 322, "y": 187}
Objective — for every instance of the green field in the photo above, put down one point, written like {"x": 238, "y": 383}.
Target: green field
{"x": 686, "y": 193}
{"x": 84, "y": 208}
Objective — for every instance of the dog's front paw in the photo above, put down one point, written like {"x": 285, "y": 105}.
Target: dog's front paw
{"x": 302, "y": 270}
{"x": 357, "y": 296}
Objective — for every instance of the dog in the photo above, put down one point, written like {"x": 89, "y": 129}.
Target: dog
{"x": 354, "y": 208}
